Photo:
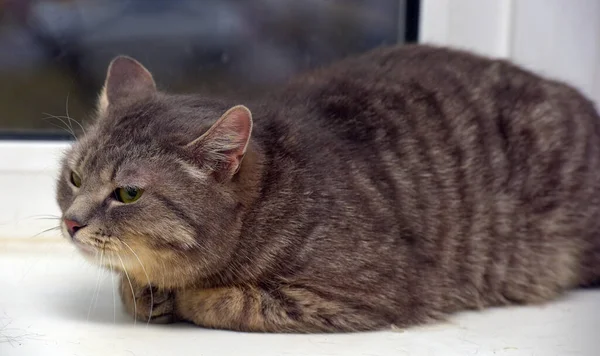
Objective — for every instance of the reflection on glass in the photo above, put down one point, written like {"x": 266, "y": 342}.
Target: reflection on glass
{"x": 53, "y": 54}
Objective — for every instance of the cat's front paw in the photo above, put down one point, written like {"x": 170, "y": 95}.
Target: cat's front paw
{"x": 147, "y": 303}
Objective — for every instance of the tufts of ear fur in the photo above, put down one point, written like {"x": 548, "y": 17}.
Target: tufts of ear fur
{"x": 224, "y": 145}
{"x": 127, "y": 81}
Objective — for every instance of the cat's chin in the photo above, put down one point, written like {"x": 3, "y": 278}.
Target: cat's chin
{"x": 96, "y": 257}
{"x": 93, "y": 254}
{"x": 86, "y": 250}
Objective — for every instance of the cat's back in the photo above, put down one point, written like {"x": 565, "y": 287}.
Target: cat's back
{"x": 438, "y": 178}
{"x": 466, "y": 161}
{"x": 413, "y": 72}
{"x": 391, "y": 92}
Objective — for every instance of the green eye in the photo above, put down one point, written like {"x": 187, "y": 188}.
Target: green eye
{"x": 75, "y": 179}
{"x": 128, "y": 194}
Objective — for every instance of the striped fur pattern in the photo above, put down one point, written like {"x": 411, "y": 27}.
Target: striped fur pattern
{"x": 393, "y": 188}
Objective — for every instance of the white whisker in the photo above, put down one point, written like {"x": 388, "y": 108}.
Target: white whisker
{"x": 147, "y": 278}
{"x": 132, "y": 291}
{"x": 112, "y": 279}
{"x": 67, "y": 110}
{"x": 97, "y": 289}
{"x": 94, "y": 291}
{"x": 46, "y": 230}
{"x": 42, "y": 216}
{"x": 70, "y": 118}
{"x": 67, "y": 127}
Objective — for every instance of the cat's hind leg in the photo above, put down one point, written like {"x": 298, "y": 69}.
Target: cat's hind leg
{"x": 591, "y": 264}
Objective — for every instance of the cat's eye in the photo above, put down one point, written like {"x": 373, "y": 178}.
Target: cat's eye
{"x": 128, "y": 194}
{"x": 75, "y": 179}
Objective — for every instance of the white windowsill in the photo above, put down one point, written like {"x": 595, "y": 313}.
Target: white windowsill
{"x": 47, "y": 308}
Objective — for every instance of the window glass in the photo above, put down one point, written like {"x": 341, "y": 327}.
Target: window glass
{"x": 54, "y": 54}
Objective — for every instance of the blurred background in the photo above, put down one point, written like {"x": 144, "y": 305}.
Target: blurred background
{"x": 54, "y": 53}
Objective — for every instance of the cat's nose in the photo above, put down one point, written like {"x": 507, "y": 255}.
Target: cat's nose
{"x": 73, "y": 226}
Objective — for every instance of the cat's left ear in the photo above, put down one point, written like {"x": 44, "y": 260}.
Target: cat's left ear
{"x": 127, "y": 81}
{"x": 224, "y": 145}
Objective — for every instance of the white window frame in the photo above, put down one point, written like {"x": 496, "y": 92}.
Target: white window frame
{"x": 498, "y": 28}
{"x": 556, "y": 38}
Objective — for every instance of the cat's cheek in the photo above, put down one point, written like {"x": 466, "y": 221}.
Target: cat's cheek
{"x": 64, "y": 196}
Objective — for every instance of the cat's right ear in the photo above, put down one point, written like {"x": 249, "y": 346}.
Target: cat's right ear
{"x": 127, "y": 81}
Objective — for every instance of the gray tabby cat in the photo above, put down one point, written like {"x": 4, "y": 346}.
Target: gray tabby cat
{"x": 392, "y": 188}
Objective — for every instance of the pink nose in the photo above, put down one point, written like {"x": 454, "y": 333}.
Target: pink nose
{"x": 72, "y": 226}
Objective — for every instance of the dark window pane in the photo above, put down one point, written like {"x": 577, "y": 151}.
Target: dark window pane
{"x": 53, "y": 54}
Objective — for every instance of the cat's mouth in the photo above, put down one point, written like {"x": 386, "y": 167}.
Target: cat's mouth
{"x": 89, "y": 246}
{"x": 85, "y": 248}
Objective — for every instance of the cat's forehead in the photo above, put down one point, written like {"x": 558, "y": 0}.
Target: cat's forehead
{"x": 103, "y": 158}
{"x": 147, "y": 134}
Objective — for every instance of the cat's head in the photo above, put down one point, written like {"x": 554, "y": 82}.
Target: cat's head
{"x": 157, "y": 181}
